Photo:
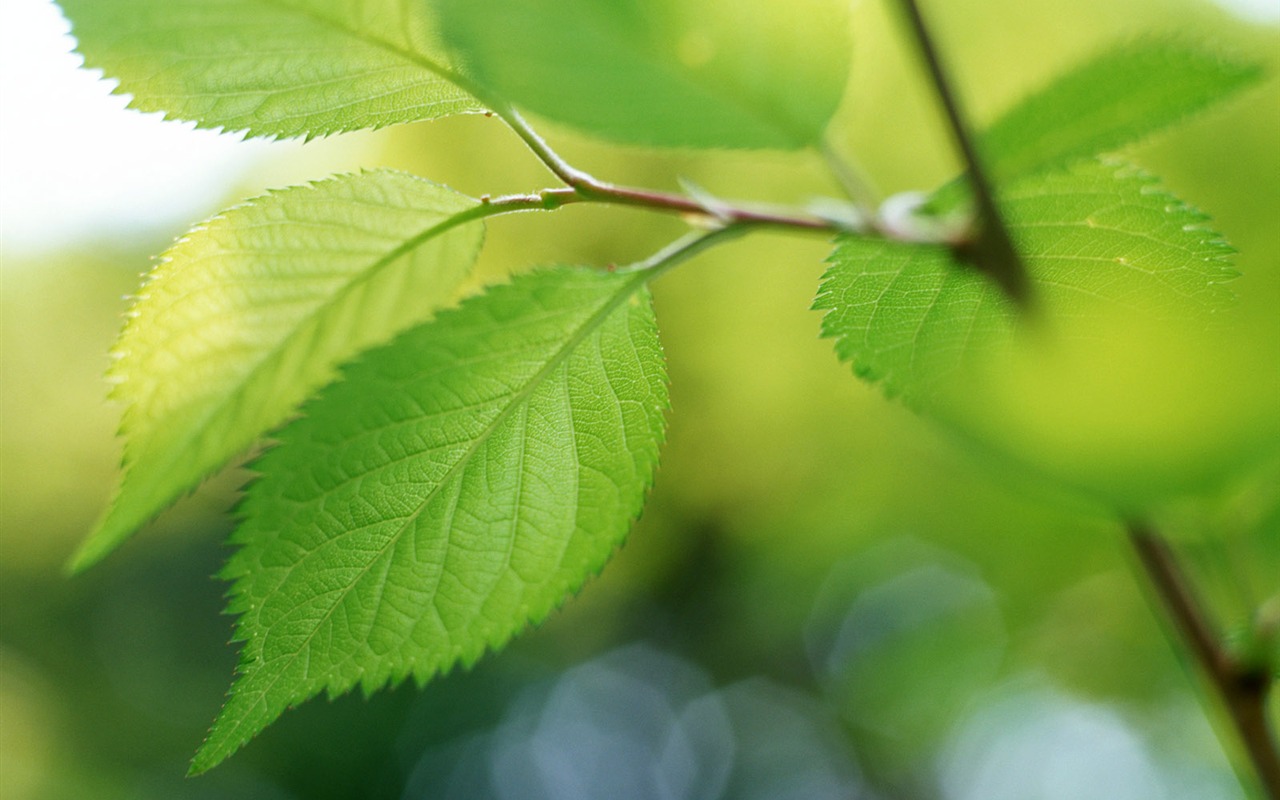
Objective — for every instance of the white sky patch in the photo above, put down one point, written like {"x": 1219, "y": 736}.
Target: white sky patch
{"x": 74, "y": 164}
{"x": 1253, "y": 10}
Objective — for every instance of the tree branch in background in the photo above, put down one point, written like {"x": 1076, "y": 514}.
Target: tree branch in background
{"x": 1243, "y": 687}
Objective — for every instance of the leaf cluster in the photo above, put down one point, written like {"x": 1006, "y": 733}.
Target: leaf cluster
{"x": 439, "y": 476}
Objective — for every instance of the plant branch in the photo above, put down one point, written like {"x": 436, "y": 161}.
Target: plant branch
{"x": 992, "y": 251}
{"x": 1243, "y": 687}
{"x": 589, "y": 188}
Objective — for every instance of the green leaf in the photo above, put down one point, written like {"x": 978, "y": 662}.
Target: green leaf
{"x": 1104, "y": 104}
{"x": 1119, "y": 97}
{"x": 1095, "y": 236}
{"x": 271, "y": 67}
{"x": 251, "y": 312}
{"x": 713, "y": 73}
{"x": 455, "y": 486}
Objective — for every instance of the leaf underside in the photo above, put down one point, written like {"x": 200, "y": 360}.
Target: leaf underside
{"x": 456, "y": 485}
{"x": 251, "y": 312}
{"x": 713, "y": 73}
{"x": 272, "y": 67}
{"x": 1097, "y": 235}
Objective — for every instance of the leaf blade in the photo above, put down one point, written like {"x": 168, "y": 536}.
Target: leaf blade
{"x": 719, "y": 73}
{"x": 403, "y": 504}
{"x": 251, "y": 312}
{"x": 909, "y": 316}
{"x": 1112, "y": 100}
{"x": 278, "y": 68}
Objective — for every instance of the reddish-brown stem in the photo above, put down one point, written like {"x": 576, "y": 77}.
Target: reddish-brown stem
{"x": 1242, "y": 687}
{"x": 590, "y": 188}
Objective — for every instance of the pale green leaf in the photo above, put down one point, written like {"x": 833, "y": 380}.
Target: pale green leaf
{"x": 713, "y": 73}
{"x": 1095, "y": 236}
{"x": 250, "y": 313}
{"x": 1113, "y": 100}
{"x": 1119, "y": 97}
{"x": 272, "y": 67}
{"x": 453, "y": 487}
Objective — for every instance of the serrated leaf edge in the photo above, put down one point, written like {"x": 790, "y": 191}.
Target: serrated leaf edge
{"x": 497, "y": 639}
{"x": 89, "y": 553}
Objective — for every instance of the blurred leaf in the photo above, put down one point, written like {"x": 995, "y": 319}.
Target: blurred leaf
{"x": 1123, "y": 95}
{"x": 1135, "y": 412}
{"x": 909, "y": 316}
{"x": 716, "y": 73}
{"x": 250, "y": 313}
{"x": 271, "y": 67}
{"x": 458, "y": 484}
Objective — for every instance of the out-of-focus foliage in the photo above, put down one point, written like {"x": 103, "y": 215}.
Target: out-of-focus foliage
{"x": 717, "y": 73}
{"x": 1134, "y": 382}
{"x": 786, "y": 490}
{"x": 1123, "y": 95}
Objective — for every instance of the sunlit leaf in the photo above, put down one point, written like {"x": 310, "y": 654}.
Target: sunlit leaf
{"x": 453, "y": 487}
{"x": 714, "y": 73}
{"x": 251, "y": 312}
{"x": 271, "y": 67}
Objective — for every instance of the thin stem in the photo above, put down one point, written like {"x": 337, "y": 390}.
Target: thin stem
{"x": 852, "y": 179}
{"x": 1242, "y": 687}
{"x": 591, "y": 188}
{"x": 683, "y": 249}
{"x": 571, "y": 175}
{"x": 992, "y": 251}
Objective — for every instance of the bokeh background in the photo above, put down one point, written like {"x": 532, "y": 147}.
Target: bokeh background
{"x": 827, "y": 596}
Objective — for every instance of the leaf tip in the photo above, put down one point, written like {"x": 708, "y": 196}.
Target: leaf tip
{"x": 96, "y": 546}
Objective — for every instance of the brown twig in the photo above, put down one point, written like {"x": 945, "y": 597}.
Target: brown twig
{"x": 992, "y": 250}
{"x": 593, "y": 189}
{"x": 1242, "y": 687}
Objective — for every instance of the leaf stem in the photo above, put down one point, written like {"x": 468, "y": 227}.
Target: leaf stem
{"x": 1242, "y": 687}
{"x": 992, "y": 251}
{"x": 683, "y": 249}
{"x": 852, "y": 179}
{"x": 590, "y": 188}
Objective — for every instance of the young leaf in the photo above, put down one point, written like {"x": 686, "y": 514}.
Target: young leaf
{"x": 251, "y": 312}
{"x": 455, "y": 486}
{"x": 713, "y": 73}
{"x": 1117, "y": 98}
{"x": 908, "y": 316}
{"x": 271, "y": 67}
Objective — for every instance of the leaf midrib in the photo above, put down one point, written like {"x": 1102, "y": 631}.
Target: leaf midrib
{"x": 516, "y": 400}
{"x": 194, "y": 430}
{"x": 412, "y": 56}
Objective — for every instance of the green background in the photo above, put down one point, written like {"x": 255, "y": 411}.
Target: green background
{"x": 809, "y": 547}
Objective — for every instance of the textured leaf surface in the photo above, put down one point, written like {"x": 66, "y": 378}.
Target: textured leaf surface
{"x": 252, "y": 312}
{"x": 1096, "y": 236}
{"x": 713, "y": 73}
{"x": 271, "y": 67}
{"x": 456, "y": 485}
